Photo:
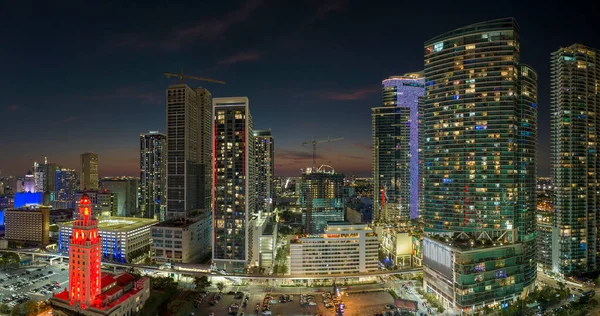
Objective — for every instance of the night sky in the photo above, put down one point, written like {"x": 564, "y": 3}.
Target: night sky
{"x": 81, "y": 76}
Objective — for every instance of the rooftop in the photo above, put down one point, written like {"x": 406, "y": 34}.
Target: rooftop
{"x": 119, "y": 224}
{"x": 180, "y": 222}
{"x": 269, "y": 228}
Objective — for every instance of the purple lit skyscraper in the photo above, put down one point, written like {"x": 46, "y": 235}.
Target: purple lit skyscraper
{"x": 396, "y": 149}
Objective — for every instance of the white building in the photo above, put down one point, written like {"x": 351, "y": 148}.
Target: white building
{"x": 344, "y": 248}
{"x": 397, "y": 246}
{"x": 181, "y": 240}
{"x": 124, "y": 239}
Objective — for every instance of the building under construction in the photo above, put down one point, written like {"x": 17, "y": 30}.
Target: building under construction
{"x": 322, "y": 199}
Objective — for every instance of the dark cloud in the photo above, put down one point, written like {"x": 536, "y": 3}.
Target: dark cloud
{"x": 13, "y": 107}
{"x": 128, "y": 93}
{"x": 240, "y": 57}
{"x": 295, "y": 155}
{"x": 359, "y": 94}
{"x": 207, "y": 29}
{"x": 363, "y": 146}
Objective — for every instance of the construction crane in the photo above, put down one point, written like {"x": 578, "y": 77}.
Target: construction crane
{"x": 314, "y": 143}
{"x": 181, "y": 77}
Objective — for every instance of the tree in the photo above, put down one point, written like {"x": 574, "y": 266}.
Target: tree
{"x": 220, "y": 286}
{"x": 16, "y": 311}
{"x": 201, "y": 283}
{"x": 4, "y": 309}
{"x": 164, "y": 284}
{"x": 30, "y": 307}
{"x": 11, "y": 259}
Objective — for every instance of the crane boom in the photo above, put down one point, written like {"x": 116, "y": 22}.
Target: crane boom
{"x": 181, "y": 77}
{"x": 314, "y": 143}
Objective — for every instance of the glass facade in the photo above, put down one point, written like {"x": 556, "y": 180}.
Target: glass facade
{"x": 480, "y": 129}
{"x": 265, "y": 169}
{"x": 575, "y": 103}
{"x": 322, "y": 200}
{"x": 153, "y": 158}
{"x": 396, "y": 149}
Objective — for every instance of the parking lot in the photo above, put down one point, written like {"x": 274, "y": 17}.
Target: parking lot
{"x": 35, "y": 282}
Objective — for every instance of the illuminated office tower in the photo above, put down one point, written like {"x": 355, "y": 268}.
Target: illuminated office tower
{"x": 66, "y": 182}
{"x": 233, "y": 183}
{"x": 396, "y": 149}
{"x": 322, "y": 199}
{"x": 265, "y": 166}
{"x": 480, "y": 129}
{"x": 89, "y": 172}
{"x": 153, "y": 175}
{"x": 575, "y": 126}
{"x": 38, "y": 176}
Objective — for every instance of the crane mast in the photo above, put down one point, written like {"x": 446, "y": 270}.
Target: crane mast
{"x": 314, "y": 143}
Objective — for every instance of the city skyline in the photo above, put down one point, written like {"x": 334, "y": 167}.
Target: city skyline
{"x": 283, "y": 64}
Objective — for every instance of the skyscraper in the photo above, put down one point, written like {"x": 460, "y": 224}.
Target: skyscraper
{"x": 153, "y": 175}
{"x": 575, "y": 125}
{"x": 204, "y": 102}
{"x": 29, "y": 183}
{"x": 66, "y": 182}
{"x": 89, "y": 171}
{"x": 265, "y": 169}
{"x": 233, "y": 183}
{"x": 396, "y": 149}
{"x": 480, "y": 129}
{"x": 322, "y": 199}
{"x": 126, "y": 189}
{"x": 184, "y": 171}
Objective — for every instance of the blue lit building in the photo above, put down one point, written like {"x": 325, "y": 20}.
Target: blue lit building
{"x": 396, "y": 149}
{"x": 322, "y": 199}
{"x": 124, "y": 239}
{"x": 66, "y": 182}
{"x": 28, "y": 199}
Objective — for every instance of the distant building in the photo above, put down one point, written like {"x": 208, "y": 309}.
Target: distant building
{"x": 330, "y": 253}
{"x": 183, "y": 241}
{"x": 91, "y": 292}
{"x": 234, "y": 183}
{"x": 153, "y": 175}
{"x": 104, "y": 203}
{"x": 396, "y": 149}
{"x": 265, "y": 169}
{"x": 66, "y": 183}
{"x": 575, "y": 126}
{"x": 124, "y": 239}
{"x": 89, "y": 172}
{"x": 322, "y": 199}
{"x": 28, "y": 225}
{"x": 126, "y": 189}
{"x": 29, "y": 183}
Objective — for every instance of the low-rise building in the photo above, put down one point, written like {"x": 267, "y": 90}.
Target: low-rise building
{"x": 124, "y": 239}
{"x": 121, "y": 295}
{"x": 397, "y": 247}
{"x": 28, "y": 225}
{"x": 344, "y": 248}
{"x": 182, "y": 240}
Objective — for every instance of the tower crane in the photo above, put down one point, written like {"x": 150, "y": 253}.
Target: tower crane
{"x": 314, "y": 143}
{"x": 181, "y": 77}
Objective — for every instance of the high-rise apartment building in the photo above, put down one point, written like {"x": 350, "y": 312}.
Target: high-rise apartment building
{"x": 396, "y": 149}
{"x": 153, "y": 175}
{"x": 322, "y": 199}
{"x": 480, "y": 129}
{"x": 126, "y": 189}
{"x": 265, "y": 169}
{"x": 233, "y": 183}
{"x": 66, "y": 183}
{"x": 89, "y": 172}
{"x": 204, "y": 103}
{"x": 575, "y": 125}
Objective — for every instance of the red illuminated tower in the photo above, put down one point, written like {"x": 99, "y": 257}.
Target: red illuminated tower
{"x": 84, "y": 257}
